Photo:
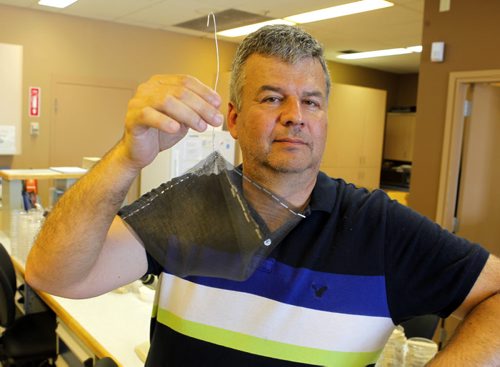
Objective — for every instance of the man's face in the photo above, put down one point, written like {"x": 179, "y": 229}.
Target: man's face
{"x": 281, "y": 125}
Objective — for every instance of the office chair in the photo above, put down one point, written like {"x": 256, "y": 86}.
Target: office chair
{"x": 28, "y": 340}
{"x": 422, "y": 326}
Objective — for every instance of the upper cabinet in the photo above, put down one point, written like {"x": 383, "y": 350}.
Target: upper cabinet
{"x": 356, "y": 118}
{"x": 11, "y": 78}
{"x": 399, "y": 134}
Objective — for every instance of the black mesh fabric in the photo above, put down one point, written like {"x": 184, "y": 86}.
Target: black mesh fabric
{"x": 212, "y": 221}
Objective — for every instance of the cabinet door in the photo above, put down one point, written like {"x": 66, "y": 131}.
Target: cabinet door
{"x": 355, "y": 133}
{"x": 345, "y": 127}
{"x": 399, "y": 134}
{"x": 11, "y": 98}
{"x": 373, "y": 105}
{"x": 369, "y": 177}
{"x": 348, "y": 174}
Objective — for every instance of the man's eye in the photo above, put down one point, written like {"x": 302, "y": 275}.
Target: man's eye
{"x": 271, "y": 99}
{"x": 311, "y": 103}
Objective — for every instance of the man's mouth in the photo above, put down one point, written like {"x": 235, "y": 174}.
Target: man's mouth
{"x": 290, "y": 141}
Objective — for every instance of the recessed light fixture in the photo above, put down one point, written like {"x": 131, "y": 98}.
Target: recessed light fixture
{"x": 57, "y": 3}
{"x": 313, "y": 16}
{"x": 380, "y": 53}
{"x": 241, "y": 31}
{"x": 339, "y": 11}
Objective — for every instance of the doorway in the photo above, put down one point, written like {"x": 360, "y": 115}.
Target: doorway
{"x": 468, "y": 200}
{"x": 478, "y": 201}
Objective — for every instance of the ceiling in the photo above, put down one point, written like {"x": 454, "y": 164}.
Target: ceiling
{"x": 396, "y": 26}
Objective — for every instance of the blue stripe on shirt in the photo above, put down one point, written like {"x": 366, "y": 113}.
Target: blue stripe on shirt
{"x": 342, "y": 293}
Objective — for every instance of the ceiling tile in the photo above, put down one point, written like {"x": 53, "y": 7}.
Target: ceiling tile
{"x": 168, "y": 13}
{"x": 397, "y": 26}
{"x": 108, "y": 9}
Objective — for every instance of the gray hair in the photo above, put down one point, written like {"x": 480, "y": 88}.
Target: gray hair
{"x": 289, "y": 43}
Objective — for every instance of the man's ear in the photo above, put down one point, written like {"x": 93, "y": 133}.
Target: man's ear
{"x": 232, "y": 116}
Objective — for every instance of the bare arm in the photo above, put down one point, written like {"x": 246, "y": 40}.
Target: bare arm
{"x": 476, "y": 342}
{"x": 71, "y": 241}
{"x": 84, "y": 249}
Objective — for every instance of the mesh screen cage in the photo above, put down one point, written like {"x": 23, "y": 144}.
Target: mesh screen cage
{"x": 212, "y": 221}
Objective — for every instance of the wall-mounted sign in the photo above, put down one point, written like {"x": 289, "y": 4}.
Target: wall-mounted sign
{"x": 7, "y": 139}
{"x": 35, "y": 98}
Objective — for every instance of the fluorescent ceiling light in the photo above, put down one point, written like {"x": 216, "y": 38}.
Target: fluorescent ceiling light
{"x": 339, "y": 11}
{"x": 241, "y": 31}
{"x": 312, "y": 16}
{"x": 57, "y": 3}
{"x": 416, "y": 49}
{"x": 380, "y": 53}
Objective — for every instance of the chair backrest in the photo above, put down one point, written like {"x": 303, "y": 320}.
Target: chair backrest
{"x": 7, "y": 289}
{"x": 105, "y": 362}
{"x": 7, "y": 266}
{"x": 423, "y": 326}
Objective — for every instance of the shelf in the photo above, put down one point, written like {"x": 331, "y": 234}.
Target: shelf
{"x": 12, "y": 186}
{"x": 38, "y": 174}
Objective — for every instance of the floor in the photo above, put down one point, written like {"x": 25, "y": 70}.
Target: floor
{"x": 400, "y": 196}
{"x": 61, "y": 363}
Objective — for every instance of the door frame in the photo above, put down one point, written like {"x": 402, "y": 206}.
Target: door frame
{"x": 458, "y": 87}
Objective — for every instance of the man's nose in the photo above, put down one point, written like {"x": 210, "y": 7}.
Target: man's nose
{"x": 291, "y": 113}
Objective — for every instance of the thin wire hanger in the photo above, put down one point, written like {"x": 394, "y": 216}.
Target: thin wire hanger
{"x": 212, "y": 15}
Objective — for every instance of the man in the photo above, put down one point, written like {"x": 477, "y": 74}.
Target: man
{"x": 330, "y": 293}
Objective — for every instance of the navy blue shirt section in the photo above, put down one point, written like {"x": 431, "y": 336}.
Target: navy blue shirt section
{"x": 360, "y": 243}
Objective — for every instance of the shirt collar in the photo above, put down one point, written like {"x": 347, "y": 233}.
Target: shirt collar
{"x": 323, "y": 194}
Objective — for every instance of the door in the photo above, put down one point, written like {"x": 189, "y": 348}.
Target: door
{"x": 478, "y": 204}
{"x": 88, "y": 121}
{"x": 89, "y": 118}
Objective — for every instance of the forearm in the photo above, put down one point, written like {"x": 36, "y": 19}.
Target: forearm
{"x": 476, "y": 341}
{"x": 72, "y": 237}
{"x": 72, "y": 252}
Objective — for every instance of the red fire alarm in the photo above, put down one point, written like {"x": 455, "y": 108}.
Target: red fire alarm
{"x": 35, "y": 98}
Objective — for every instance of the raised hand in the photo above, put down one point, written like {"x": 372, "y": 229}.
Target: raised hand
{"x": 163, "y": 110}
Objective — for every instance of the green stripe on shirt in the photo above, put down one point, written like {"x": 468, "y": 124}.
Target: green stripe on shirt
{"x": 263, "y": 347}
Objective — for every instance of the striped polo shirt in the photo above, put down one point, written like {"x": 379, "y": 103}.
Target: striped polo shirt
{"x": 328, "y": 295}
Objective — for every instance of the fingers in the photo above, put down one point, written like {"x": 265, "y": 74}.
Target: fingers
{"x": 196, "y": 86}
{"x": 188, "y": 108}
{"x": 163, "y": 110}
{"x": 160, "y": 121}
{"x": 184, "y": 100}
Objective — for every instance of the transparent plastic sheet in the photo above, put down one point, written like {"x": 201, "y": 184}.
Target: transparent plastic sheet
{"x": 214, "y": 222}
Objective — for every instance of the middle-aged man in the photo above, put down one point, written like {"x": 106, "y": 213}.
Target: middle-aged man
{"x": 332, "y": 290}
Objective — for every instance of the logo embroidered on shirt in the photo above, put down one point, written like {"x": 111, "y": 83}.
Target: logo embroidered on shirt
{"x": 319, "y": 290}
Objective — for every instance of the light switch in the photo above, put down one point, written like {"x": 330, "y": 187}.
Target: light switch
{"x": 437, "y": 52}
{"x": 444, "y": 5}
{"x": 34, "y": 128}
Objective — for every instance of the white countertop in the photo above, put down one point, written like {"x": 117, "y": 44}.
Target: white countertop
{"x": 119, "y": 322}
